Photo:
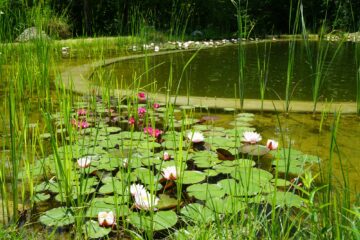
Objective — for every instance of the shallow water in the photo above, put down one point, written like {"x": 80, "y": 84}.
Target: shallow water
{"x": 214, "y": 72}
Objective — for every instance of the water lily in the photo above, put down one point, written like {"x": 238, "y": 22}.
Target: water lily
{"x": 125, "y": 162}
{"x": 251, "y": 137}
{"x": 84, "y": 162}
{"x": 157, "y": 48}
{"x": 166, "y": 156}
{"x": 195, "y": 137}
{"x": 146, "y": 201}
{"x": 83, "y": 124}
{"x": 81, "y": 112}
{"x": 169, "y": 173}
{"x": 141, "y": 111}
{"x": 106, "y": 219}
{"x": 142, "y": 97}
{"x": 156, "y": 105}
{"x": 272, "y": 144}
{"x": 131, "y": 121}
{"x": 153, "y": 131}
{"x": 136, "y": 189}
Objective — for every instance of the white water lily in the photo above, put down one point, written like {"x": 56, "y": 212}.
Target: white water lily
{"x": 125, "y": 162}
{"x": 157, "y": 48}
{"x": 169, "y": 173}
{"x": 137, "y": 189}
{"x": 146, "y": 201}
{"x": 84, "y": 162}
{"x": 195, "y": 137}
{"x": 106, "y": 219}
{"x": 251, "y": 137}
{"x": 272, "y": 144}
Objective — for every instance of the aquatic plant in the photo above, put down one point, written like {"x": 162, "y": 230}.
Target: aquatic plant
{"x": 293, "y": 29}
{"x": 319, "y": 63}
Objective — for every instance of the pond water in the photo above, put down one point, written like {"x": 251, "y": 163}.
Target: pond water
{"x": 214, "y": 72}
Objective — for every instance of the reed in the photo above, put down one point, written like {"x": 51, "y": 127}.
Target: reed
{"x": 318, "y": 62}
{"x": 263, "y": 70}
{"x": 243, "y": 33}
{"x": 293, "y": 29}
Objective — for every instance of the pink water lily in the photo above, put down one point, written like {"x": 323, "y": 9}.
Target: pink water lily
{"x": 81, "y": 112}
{"x": 83, "y": 124}
{"x": 251, "y": 137}
{"x": 142, "y": 97}
{"x": 131, "y": 120}
{"x": 156, "y": 105}
{"x": 272, "y": 144}
{"x": 106, "y": 219}
{"x": 141, "y": 111}
{"x": 153, "y": 132}
{"x": 166, "y": 156}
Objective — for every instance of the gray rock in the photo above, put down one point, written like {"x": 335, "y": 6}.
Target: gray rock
{"x": 31, "y": 33}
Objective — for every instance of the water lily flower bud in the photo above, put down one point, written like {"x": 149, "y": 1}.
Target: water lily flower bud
{"x": 169, "y": 173}
{"x": 272, "y": 144}
{"x": 106, "y": 219}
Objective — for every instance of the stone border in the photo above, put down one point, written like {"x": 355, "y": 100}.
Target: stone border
{"x": 77, "y": 79}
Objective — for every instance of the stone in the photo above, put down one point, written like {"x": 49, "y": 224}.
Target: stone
{"x": 31, "y": 33}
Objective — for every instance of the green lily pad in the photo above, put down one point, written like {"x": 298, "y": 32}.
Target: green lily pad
{"x": 103, "y": 205}
{"x": 160, "y": 220}
{"x": 233, "y": 188}
{"x": 228, "y": 205}
{"x": 191, "y": 177}
{"x": 146, "y": 176}
{"x": 57, "y": 217}
{"x": 92, "y": 229}
{"x": 41, "y": 197}
{"x": 166, "y": 202}
{"x": 149, "y": 145}
{"x": 197, "y": 213}
{"x": 114, "y": 187}
{"x": 205, "y": 191}
{"x": 246, "y": 175}
{"x": 281, "y": 182}
{"x": 285, "y": 199}
{"x": 254, "y": 149}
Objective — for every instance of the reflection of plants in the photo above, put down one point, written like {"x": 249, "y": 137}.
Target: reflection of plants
{"x": 293, "y": 28}
{"x": 263, "y": 70}
{"x": 318, "y": 63}
{"x": 244, "y": 31}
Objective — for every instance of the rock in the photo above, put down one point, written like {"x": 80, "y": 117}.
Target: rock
{"x": 31, "y": 34}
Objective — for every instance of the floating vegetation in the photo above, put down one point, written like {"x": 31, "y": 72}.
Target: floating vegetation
{"x": 151, "y": 176}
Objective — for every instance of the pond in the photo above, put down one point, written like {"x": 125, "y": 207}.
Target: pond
{"x": 214, "y": 72}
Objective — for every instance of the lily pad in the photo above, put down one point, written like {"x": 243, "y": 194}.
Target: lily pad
{"x": 285, "y": 199}
{"x": 114, "y": 187}
{"x": 191, "y": 177}
{"x": 197, "y": 213}
{"x": 58, "y": 217}
{"x": 166, "y": 202}
{"x": 205, "y": 191}
{"x": 254, "y": 149}
{"x": 40, "y": 197}
{"x": 159, "y": 221}
{"x": 228, "y": 205}
{"x": 93, "y": 230}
